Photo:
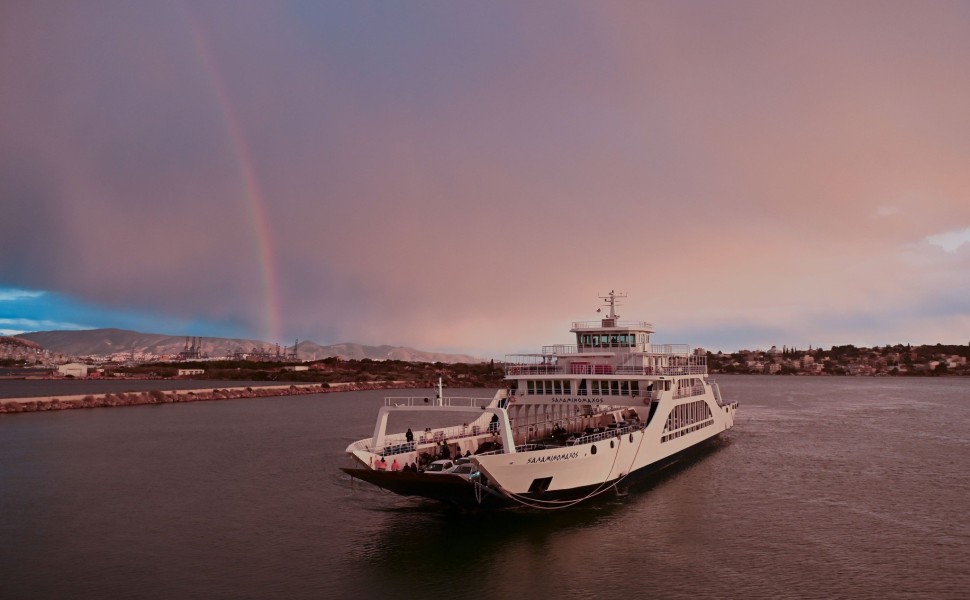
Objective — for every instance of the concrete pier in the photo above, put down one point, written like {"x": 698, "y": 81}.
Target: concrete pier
{"x": 39, "y": 403}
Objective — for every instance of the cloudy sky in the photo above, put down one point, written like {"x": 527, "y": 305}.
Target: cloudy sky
{"x": 471, "y": 176}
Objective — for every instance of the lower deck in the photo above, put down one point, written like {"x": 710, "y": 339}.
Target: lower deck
{"x": 478, "y": 494}
{"x": 531, "y": 430}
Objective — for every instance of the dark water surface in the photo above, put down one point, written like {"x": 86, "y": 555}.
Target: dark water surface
{"x": 826, "y": 488}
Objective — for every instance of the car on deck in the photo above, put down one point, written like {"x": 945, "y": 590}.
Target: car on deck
{"x": 440, "y": 466}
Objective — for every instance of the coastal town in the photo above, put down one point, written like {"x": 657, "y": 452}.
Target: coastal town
{"x": 16, "y": 355}
{"x": 898, "y": 360}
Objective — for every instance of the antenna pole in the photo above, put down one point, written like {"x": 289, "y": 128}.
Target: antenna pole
{"x": 611, "y": 301}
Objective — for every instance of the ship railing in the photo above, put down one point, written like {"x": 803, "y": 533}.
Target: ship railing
{"x": 609, "y": 433}
{"x": 590, "y": 369}
{"x": 431, "y": 400}
{"x": 533, "y": 370}
{"x": 397, "y": 443}
{"x": 491, "y": 452}
{"x": 672, "y": 354}
{"x": 651, "y": 349}
{"x": 615, "y": 324}
{"x": 675, "y": 370}
{"x": 536, "y": 446}
{"x": 361, "y": 445}
{"x": 404, "y": 448}
{"x": 669, "y": 349}
{"x": 687, "y": 392}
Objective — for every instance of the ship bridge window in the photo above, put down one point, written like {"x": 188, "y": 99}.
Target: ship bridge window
{"x": 605, "y": 340}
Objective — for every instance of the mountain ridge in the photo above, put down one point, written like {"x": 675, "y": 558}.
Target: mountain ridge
{"x": 106, "y": 341}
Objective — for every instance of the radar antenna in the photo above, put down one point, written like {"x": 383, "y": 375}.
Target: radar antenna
{"x": 612, "y": 300}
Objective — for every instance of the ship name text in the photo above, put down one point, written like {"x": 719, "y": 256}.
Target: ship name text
{"x": 575, "y": 400}
{"x": 553, "y": 458}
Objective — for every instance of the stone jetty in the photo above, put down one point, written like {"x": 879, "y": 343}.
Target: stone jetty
{"x": 34, "y": 404}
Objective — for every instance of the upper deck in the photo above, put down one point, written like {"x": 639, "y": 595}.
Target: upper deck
{"x": 653, "y": 365}
{"x": 609, "y": 346}
{"x": 612, "y": 323}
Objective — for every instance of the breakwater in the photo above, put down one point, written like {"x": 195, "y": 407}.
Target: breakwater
{"x": 66, "y": 402}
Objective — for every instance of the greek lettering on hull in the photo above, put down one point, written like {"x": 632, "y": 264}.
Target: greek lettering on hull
{"x": 553, "y": 458}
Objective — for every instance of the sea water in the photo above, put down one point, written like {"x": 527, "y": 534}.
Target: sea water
{"x": 826, "y": 488}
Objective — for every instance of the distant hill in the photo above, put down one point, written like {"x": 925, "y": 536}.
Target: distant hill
{"x": 13, "y": 341}
{"x": 307, "y": 350}
{"x": 109, "y": 341}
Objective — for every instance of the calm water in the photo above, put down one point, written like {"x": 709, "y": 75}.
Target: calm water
{"x": 826, "y": 488}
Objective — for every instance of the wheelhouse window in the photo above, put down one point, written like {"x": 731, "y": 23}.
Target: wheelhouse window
{"x": 611, "y": 340}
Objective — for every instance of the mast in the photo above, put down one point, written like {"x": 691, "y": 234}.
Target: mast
{"x": 611, "y": 301}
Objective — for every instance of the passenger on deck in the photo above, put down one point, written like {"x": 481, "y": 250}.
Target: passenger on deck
{"x": 409, "y": 436}
{"x": 381, "y": 464}
{"x": 395, "y": 466}
{"x": 414, "y": 467}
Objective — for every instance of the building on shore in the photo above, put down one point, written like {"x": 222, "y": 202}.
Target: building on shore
{"x": 73, "y": 370}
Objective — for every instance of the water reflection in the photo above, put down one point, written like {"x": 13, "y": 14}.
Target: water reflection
{"x": 423, "y": 542}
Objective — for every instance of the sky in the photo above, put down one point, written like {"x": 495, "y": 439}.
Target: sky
{"x": 473, "y": 176}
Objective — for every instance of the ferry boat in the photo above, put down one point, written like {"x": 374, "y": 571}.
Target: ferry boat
{"x": 575, "y": 421}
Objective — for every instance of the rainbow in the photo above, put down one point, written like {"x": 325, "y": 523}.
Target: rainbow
{"x": 255, "y": 202}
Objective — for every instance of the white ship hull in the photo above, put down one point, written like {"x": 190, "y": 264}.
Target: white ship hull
{"x": 602, "y": 462}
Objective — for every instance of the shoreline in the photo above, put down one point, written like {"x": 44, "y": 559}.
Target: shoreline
{"x": 111, "y": 399}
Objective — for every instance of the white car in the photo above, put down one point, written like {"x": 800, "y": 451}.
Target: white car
{"x": 440, "y": 466}
{"x": 464, "y": 470}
